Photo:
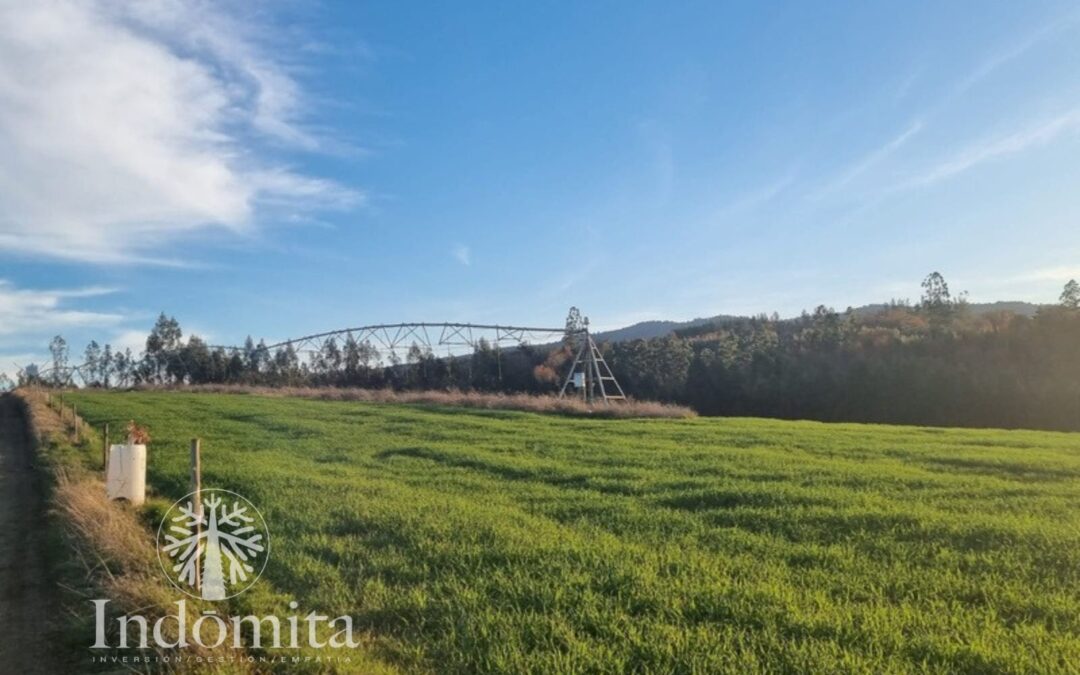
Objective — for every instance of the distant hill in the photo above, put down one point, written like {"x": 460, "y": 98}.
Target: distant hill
{"x": 644, "y": 330}
{"x": 1016, "y": 307}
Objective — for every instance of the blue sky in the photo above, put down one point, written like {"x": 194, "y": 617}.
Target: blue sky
{"x": 293, "y": 168}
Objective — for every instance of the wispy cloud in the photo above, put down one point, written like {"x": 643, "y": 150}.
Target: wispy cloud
{"x": 462, "y": 254}
{"x": 1057, "y": 273}
{"x": 26, "y": 312}
{"x": 752, "y": 199}
{"x": 135, "y": 340}
{"x": 872, "y": 159}
{"x": 1034, "y": 135}
{"x": 978, "y": 152}
{"x": 1039, "y": 285}
{"x": 125, "y": 125}
{"x": 1013, "y": 51}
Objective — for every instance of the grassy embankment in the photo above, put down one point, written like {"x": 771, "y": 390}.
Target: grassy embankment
{"x": 514, "y": 542}
{"x": 102, "y": 549}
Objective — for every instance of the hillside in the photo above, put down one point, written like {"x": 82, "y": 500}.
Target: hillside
{"x": 644, "y": 330}
{"x": 1027, "y": 309}
{"x": 497, "y": 541}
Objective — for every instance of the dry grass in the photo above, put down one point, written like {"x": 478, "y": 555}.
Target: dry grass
{"x": 111, "y": 545}
{"x": 44, "y": 421}
{"x": 111, "y": 540}
{"x": 118, "y": 554}
{"x": 462, "y": 399}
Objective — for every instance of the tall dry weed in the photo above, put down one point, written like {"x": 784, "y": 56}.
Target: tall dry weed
{"x": 464, "y": 399}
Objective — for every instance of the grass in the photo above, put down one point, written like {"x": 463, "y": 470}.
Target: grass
{"x": 503, "y": 541}
{"x": 101, "y": 549}
{"x": 539, "y": 403}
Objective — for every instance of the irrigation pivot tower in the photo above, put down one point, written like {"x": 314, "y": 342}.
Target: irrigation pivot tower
{"x": 590, "y": 373}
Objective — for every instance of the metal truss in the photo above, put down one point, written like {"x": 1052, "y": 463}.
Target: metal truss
{"x": 392, "y": 337}
{"x": 596, "y": 381}
{"x": 591, "y": 375}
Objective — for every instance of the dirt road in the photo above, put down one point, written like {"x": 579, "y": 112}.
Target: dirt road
{"x": 28, "y": 603}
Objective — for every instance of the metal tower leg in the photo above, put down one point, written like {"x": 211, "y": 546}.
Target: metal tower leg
{"x": 573, "y": 369}
{"x": 598, "y": 377}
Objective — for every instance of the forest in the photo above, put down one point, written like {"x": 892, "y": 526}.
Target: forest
{"x": 933, "y": 362}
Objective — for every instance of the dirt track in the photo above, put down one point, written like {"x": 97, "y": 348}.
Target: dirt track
{"x": 28, "y": 603}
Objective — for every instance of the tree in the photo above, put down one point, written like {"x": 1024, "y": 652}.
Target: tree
{"x": 59, "y": 349}
{"x": 330, "y": 358}
{"x": 825, "y": 330}
{"x": 121, "y": 367}
{"x": 262, "y": 358}
{"x": 125, "y": 367}
{"x": 935, "y": 292}
{"x": 351, "y": 352}
{"x": 106, "y": 366}
{"x": 287, "y": 364}
{"x": 655, "y": 368}
{"x": 415, "y": 360}
{"x": 219, "y": 365}
{"x": 5, "y": 382}
{"x": 575, "y": 323}
{"x": 369, "y": 355}
{"x": 485, "y": 367}
{"x": 1070, "y": 296}
{"x": 938, "y": 304}
{"x": 162, "y": 345}
{"x": 28, "y": 375}
{"x": 234, "y": 368}
{"x": 195, "y": 357}
{"x": 251, "y": 355}
{"x": 92, "y": 364}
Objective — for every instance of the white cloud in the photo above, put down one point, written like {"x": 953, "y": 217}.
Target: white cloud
{"x": 979, "y": 152}
{"x": 135, "y": 340}
{"x": 988, "y": 149}
{"x": 753, "y": 199}
{"x": 462, "y": 254}
{"x": 10, "y": 364}
{"x": 1052, "y": 28}
{"x": 874, "y": 158}
{"x": 26, "y": 312}
{"x": 126, "y": 124}
{"x": 1060, "y": 273}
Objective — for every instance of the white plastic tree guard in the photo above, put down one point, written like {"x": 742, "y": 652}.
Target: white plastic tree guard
{"x": 127, "y": 473}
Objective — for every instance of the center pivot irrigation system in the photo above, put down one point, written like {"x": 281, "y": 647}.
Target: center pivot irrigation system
{"x": 589, "y": 373}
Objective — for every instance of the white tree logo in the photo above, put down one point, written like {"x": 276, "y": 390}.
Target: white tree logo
{"x": 211, "y": 543}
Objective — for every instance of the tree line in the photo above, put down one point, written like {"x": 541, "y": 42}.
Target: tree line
{"x": 932, "y": 362}
{"x": 171, "y": 360}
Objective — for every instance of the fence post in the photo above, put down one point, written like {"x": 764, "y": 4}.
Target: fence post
{"x": 196, "y": 497}
{"x": 105, "y": 449}
{"x": 75, "y": 420}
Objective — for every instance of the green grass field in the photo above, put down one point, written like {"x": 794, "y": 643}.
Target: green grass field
{"x": 502, "y": 541}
